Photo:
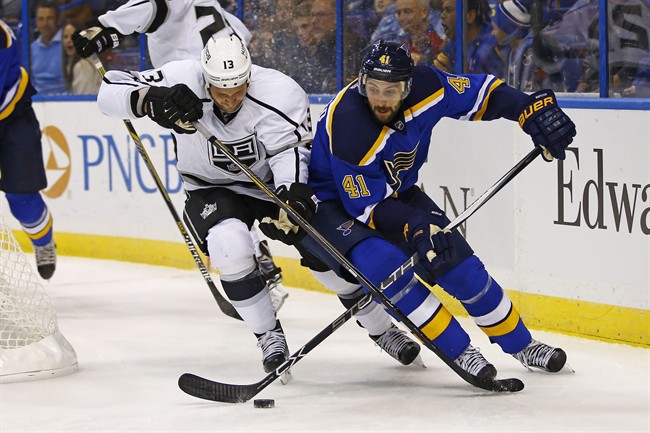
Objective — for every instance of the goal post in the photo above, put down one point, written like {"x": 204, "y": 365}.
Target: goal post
{"x": 31, "y": 345}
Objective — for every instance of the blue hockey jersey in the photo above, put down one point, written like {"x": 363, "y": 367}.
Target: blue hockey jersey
{"x": 361, "y": 162}
{"x": 13, "y": 78}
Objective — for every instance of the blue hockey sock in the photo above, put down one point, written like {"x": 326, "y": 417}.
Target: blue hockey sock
{"x": 34, "y": 216}
{"x": 487, "y": 303}
{"x": 376, "y": 258}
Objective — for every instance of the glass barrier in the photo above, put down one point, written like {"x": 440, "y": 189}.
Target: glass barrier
{"x": 579, "y": 48}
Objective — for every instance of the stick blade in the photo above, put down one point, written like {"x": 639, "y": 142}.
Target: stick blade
{"x": 206, "y": 389}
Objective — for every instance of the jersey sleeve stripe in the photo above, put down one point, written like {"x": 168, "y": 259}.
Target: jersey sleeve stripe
{"x": 479, "y": 115}
{"x": 10, "y": 101}
{"x": 427, "y": 103}
{"x": 5, "y": 31}
{"x": 161, "y": 11}
{"x": 330, "y": 114}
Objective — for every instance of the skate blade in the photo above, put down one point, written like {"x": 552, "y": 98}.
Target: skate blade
{"x": 418, "y": 362}
{"x": 285, "y": 377}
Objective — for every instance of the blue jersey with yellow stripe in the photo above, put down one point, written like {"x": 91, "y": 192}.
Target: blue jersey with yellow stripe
{"x": 13, "y": 77}
{"x": 360, "y": 161}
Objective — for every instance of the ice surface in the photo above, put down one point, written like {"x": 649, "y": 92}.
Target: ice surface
{"x": 136, "y": 328}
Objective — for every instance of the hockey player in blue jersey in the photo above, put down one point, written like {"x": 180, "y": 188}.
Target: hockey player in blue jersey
{"x": 370, "y": 142}
{"x": 21, "y": 158}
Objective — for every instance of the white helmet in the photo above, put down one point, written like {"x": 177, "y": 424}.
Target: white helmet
{"x": 226, "y": 62}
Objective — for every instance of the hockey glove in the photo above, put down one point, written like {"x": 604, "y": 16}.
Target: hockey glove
{"x": 547, "y": 124}
{"x": 302, "y": 200}
{"x": 174, "y": 107}
{"x": 95, "y": 40}
{"x": 432, "y": 244}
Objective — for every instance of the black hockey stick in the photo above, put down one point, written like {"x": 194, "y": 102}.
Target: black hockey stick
{"x": 225, "y": 306}
{"x": 204, "y": 388}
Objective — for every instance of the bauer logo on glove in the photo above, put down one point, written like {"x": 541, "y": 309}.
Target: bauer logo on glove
{"x": 546, "y": 123}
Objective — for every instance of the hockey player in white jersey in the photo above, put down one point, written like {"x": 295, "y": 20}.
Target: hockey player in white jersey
{"x": 263, "y": 117}
{"x": 176, "y": 30}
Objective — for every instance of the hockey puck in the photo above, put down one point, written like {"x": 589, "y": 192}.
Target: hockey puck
{"x": 264, "y": 403}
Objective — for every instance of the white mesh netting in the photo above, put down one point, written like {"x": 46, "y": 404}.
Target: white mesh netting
{"x": 31, "y": 346}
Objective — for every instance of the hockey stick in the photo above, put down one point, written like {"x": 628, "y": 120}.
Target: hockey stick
{"x": 204, "y": 388}
{"x": 225, "y": 306}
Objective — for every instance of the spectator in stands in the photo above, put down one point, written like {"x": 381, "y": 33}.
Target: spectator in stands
{"x": 482, "y": 51}
{"x": 573, "y": 43}
{"x": 511, "y": 28}
{"x": 80, "y": 74}
{"x": 323, "y": 62}
{"x": 46, "y": 64}
{"x": 640, "y": 87}
{"x": 422, "y": 36}
{"x": 388, "y": 28}
{"x": 77, "y": 12}
{"x": 302, "y": 26}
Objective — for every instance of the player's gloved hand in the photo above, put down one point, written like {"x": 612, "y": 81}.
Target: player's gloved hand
{"x": 433, "y": 244}
{"x": 547, "y": 124}
{"x": 302, "y": 199}
{"x": 95, "y": 40}
{"x": 174, "y": 107}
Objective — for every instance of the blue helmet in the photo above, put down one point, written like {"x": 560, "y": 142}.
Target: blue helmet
{"x": 387, "y": 61}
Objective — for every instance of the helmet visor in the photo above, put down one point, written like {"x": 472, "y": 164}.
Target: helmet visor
{"x": 377, "y": 89}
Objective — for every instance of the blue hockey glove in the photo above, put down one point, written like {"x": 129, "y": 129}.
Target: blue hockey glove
{"x": 432, "y": 244}
{"x": 549, "y": 127}
{"x": 282, "y": 227}
{"x": 95, "y": 40}
{"x": 174, "y": 107}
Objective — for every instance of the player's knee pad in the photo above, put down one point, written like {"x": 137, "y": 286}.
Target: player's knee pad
{"x": 231, "y": 249}
{"x": 466, "y": 280}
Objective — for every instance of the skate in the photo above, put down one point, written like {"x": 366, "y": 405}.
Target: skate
{"x": 475, "y": 364}
{"x": 272, "y": 275}
{"x": 542, "y": 356}
{"x": 274, "y": 351}
{"x": 397, "y": 344}
{"x": 46, "y": 259}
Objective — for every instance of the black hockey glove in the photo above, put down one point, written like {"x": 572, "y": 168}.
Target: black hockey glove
{"x": 174, "y": 107}
{"x": 95, "y": 40}
{"x": 432, "y": 244}
{"x": 547, "y": 124}
{"x": 302, "y": 199}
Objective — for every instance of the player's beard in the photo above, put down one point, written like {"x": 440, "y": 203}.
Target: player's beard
{"x": 384, "y": 114}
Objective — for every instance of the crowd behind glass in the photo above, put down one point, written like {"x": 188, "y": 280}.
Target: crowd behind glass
{"x": 530, "y": 44}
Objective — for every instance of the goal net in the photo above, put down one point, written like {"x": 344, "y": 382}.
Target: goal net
{"x": 31, "y": 345}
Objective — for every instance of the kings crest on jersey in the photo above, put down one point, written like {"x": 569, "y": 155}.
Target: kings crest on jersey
{"x": 270, "y": 133}
{"x": 363, "y": 162}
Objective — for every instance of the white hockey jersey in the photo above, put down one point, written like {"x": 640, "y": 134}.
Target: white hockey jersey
{"x": 176, "y": 29}
{"x": 271, "y": 132}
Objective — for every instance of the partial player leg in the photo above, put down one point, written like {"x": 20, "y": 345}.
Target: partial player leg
{"x": 271, "y": 273}
{"x": 23, "y": 176}
{"x": 377, "y": 258}
{"x": 232, "y": 251}
{"x": 374, "y": 319}
{"x": 494, "y": 313}
{"x": 36, "y": 220}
